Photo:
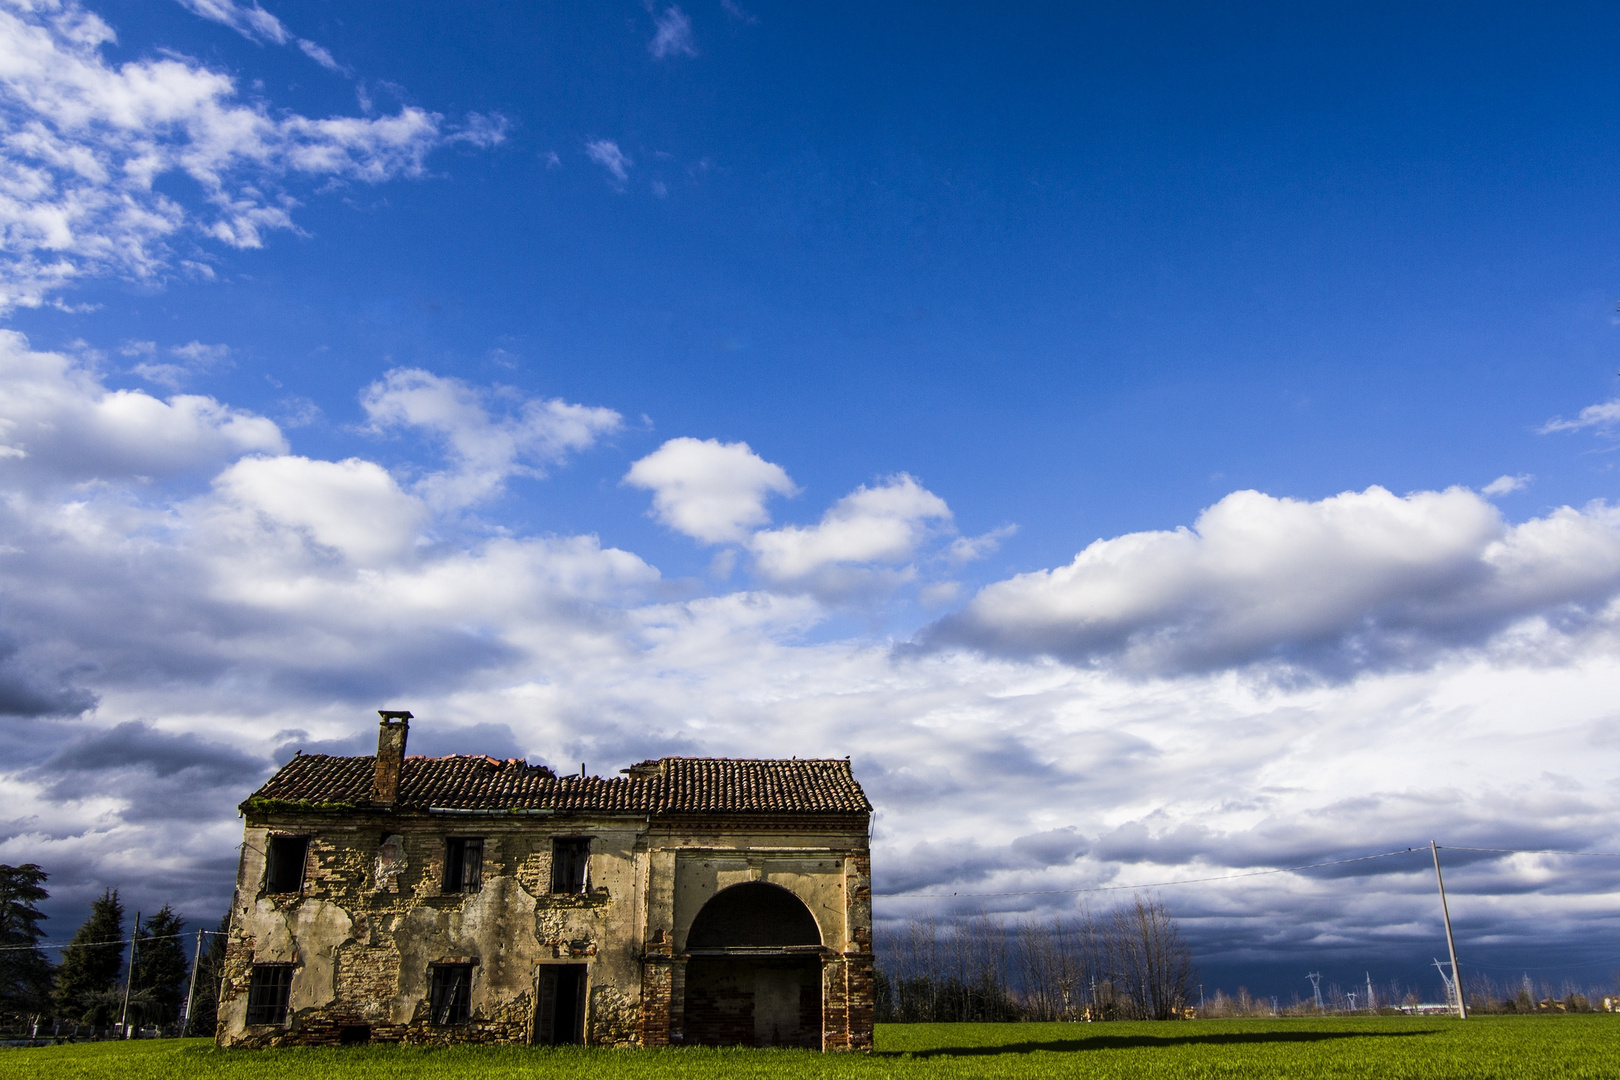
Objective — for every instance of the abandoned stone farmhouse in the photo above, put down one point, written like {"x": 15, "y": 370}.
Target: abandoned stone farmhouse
{"x": 709, "y": 901}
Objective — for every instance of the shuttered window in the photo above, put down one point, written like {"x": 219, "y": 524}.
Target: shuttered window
{"x": 463, "y": 864}
{"x": 570, "y": 864}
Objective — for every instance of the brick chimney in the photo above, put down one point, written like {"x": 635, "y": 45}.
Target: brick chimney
{"x": 390, "y": 755}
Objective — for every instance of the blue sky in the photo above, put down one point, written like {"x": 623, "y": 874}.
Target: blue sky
{"x": 401, "y": 355}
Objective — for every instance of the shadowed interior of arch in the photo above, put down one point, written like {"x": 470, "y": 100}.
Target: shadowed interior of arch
{"x": 754, "y": 978}
{"x": 755, "y": 914}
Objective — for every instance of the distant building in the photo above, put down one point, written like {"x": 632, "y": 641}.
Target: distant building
{"x": 467, "y": 899}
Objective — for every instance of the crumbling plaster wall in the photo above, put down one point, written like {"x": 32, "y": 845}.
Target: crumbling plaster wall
{"x": 364, "y": 937}
{"x": 365, "y": 934}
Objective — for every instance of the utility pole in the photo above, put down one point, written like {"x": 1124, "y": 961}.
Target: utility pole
{"x": 191, "y": 990}
{"x": 134, "y": 941}
{"x": 1316, "y": 987}
{"x": 1451, "y": 942}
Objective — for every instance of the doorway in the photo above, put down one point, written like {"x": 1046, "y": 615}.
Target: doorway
{"x": 559, "y": 1005}
{"x": 754, "y": 977}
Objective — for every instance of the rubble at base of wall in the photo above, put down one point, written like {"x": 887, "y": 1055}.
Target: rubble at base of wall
{"x": 337, "y": 1030}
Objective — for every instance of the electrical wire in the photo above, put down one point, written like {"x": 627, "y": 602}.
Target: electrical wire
{"x": 99, "y": 944}
{"x": 1529, "y": 851}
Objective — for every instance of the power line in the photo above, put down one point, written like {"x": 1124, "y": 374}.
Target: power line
{"x": 99, "y": 944}
{"x": 1531, "y": 851}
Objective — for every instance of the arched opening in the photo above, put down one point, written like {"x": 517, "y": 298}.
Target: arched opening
{"x": 754, "y": 977}
{"x": 753, "y": 915}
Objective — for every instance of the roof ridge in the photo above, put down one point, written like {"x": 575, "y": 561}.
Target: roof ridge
{"x": 683, "y": 784}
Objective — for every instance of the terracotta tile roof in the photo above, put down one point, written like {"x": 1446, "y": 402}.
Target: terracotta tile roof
{"x": 671, "y": 785}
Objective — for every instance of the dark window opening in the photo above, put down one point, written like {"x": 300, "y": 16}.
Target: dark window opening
{"x": 570, "y": 865}
{"x": 463, "y": 865}
{"x": 450, "y": 999}
{"x": 354, "y": 1034}
{"x": 559, "y": 1005}
{"x": 285, "y": 872}
{"x": 268, "y": 993}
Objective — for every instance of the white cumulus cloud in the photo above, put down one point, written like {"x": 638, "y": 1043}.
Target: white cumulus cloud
{"x": 711, "y": 491}
{"x": 353, "y": 506}
{"x": 484, "y": 450}
{"x": 883, "y": 524}
{"x": 1360, "y": 580}
{"x": 57, "y": 419}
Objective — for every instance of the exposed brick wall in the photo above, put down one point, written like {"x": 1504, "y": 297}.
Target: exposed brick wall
{"x": 857, "y": 966}
{"x": 862, "y": 1002}
{"x": 722, "y": 1008}
{"x": 719, "y": 1011}
{"x": 834, "y": 1007}
{"x": 657, "y": 993}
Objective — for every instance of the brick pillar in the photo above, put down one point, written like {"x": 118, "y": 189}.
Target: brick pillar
{"x": 677, "y": 1002}
{"x": 834, "y": 1005}
{"x": 862, "y": 1001}
{"x": 657, "y": 981}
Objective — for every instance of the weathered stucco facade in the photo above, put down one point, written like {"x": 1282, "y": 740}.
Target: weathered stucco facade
{"x": 466, "y": 899}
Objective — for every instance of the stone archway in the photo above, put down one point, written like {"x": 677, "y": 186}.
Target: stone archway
{"x": 753, "y": 977}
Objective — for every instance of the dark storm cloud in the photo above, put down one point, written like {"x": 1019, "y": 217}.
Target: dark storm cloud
{"x": 930, "y": 865}
{"x": 427, "y": 739}
{"x": 30, "y": 688}
{"x": 163, "y": 776}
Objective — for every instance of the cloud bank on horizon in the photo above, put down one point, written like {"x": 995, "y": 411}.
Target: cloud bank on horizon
{"x": 190, "y": 594}
{"x": 1226, "y": 695}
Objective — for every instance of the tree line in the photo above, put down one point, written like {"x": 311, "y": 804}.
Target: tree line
{"x": 97, "y": 985}
{"x": 1130, "y": 962}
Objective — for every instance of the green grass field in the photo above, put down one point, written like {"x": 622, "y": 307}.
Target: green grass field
{"x": 1513, "y": 1048}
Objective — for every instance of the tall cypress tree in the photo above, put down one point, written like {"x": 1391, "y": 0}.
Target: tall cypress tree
{"x": 160, "y": 967}
{"x": 25, "y": 974}
{"x": 91, "y": 965}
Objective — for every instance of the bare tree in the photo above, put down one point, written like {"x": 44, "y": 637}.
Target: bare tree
{"x": 1151, "y": 960}
{"x": 1130, "y": 962}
